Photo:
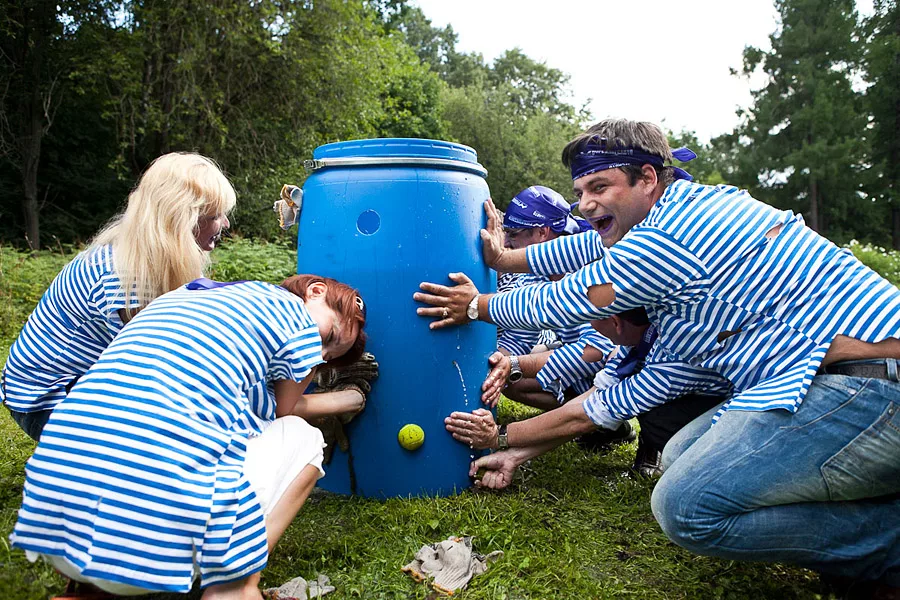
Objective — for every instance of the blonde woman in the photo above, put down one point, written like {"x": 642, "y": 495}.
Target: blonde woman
{"x": 161, "y": 241}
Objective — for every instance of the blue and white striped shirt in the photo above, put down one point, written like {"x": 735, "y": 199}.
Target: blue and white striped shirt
{"x": 564, "y": 254}
{"x": 75, "y": 320}
{"x": 138, "y": 476}
{"x": 565, "y": 368}
{"x": 518, "y": 341}
{"x": 659, "y": 380}
{"x": 761, "y": 310}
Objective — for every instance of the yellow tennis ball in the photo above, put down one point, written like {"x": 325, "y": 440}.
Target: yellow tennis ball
{"x": 411, "y": 436}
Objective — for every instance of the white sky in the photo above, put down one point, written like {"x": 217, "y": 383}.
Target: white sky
{"x": 666, "y": 62}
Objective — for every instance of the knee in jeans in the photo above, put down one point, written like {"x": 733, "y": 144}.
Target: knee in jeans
{"x": 669, "y": 454}
{"x": 683, "y": 514}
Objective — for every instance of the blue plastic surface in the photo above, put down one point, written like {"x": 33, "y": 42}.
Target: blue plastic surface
{"x": 384, "y": 229}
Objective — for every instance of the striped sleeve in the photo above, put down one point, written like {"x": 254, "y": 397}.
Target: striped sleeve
{"x": 298, "y": 356}
{"x": 565, "y": 368}
{"x": 107, "y": 298}
{"x": 517, "y": 341}
{"x": 654, "y": 385}
{"x": 564, "y": 254}
{"x": 648, "y": 267}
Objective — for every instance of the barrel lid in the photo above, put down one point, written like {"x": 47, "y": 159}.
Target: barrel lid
{"x": 412, "y": 147}
{"x": 397, "y": 151}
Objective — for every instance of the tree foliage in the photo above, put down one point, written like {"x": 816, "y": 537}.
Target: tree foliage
{"x": 255, "y": 85}
{"x": 882, "y": 64}
{"x": 92, "y": 90}
{"x": 804, "y": 127}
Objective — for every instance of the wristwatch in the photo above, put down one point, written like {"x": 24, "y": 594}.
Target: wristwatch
{"x": 515, "y": 371}
{"x": 502, "y": 439}
{"x": 472, "y": 309}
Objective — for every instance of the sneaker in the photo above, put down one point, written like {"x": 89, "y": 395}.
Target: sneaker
{"x": 647, "y": 461}
{"x": 604, "y": 439}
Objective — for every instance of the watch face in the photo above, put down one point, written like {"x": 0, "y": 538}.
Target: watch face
{"x": 514, "y": 376}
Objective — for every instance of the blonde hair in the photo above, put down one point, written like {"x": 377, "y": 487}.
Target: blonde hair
{"x": 154, "y": 248}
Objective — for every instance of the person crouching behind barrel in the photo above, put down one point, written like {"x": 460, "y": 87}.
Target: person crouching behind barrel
{"x": 184, "y": 452}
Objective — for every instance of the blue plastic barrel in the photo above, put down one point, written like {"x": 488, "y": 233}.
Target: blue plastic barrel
{"x": 384, "y": 215}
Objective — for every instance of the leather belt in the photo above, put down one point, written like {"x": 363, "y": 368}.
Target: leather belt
{"x": 885, "y": 368}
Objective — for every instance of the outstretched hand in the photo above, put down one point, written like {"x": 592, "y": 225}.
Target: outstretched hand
{"x": 475, "y": 429}
{"x": 448, "y": 303}
{"x": 496, "y": 469}
{"x": 493, "y": 247}
{"x": 496, "y": 379}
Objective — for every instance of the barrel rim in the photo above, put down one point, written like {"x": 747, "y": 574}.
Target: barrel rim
{"x": 381, "y": 161}
{"x": 418, "y": 147}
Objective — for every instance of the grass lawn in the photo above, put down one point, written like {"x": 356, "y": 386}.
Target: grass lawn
{"x": 576, "y": 525}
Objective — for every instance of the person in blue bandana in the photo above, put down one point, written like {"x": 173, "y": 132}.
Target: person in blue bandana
{"x": 546, "y": 369}
{"x": 801, "y": 464}
{"x": 551, "y": 376}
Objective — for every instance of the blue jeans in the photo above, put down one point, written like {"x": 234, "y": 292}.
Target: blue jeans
{"x": 819, "y": 488}
{"x": 31, "y": 423}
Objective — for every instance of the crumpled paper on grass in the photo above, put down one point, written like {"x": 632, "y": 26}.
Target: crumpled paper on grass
{"x": 450, "y": 564}
{"x": 300, "y": 589}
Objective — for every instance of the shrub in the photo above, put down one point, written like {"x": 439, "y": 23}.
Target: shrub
{"x": 884, "y": 262}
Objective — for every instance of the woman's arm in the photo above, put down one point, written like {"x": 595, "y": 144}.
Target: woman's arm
{"x": 290, "y": 400}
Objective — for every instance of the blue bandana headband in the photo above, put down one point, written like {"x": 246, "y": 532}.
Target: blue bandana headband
{"x": 595, "y": 157}
{"x": 539, "y": 206}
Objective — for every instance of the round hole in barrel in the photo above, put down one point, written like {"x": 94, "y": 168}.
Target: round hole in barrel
{"x": 368, "y": 222}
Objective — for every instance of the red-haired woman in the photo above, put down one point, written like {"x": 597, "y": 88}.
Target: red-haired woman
{"x": 166, "y": 462}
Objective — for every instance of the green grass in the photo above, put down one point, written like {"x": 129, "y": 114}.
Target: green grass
{"x": 576, "y": 525}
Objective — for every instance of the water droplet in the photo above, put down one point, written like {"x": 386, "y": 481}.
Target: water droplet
{"x": 463, "y": 382}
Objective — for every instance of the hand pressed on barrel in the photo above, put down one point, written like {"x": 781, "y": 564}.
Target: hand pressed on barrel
{"x": 449, "y": 303}
{"x": 495, "y": 381}
{"x": 493, "y": 241}
{"x": 475, "y": 429}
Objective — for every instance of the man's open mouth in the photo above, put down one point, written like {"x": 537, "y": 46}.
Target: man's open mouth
{"x": 603, "y": 224}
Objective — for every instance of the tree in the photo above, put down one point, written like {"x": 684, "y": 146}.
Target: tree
{"x": 31, "y": 85}
{"x": 433, "y": 45}
{"x": 532, "y": 87}
{"x": 254, "y": 85}
{"x": 517, "y": 151}
{"x": 514, "y": 112}
{"x": 806, "y": 127}
{"x": 882, "y": 63}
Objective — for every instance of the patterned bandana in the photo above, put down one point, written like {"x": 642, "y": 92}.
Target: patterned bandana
{"x": 595, "y": 157}
{"x": 539, "y": 206}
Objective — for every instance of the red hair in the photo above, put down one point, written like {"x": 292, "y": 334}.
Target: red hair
{"x": 347, "y": 305}
{"x": 345, "y": 302}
